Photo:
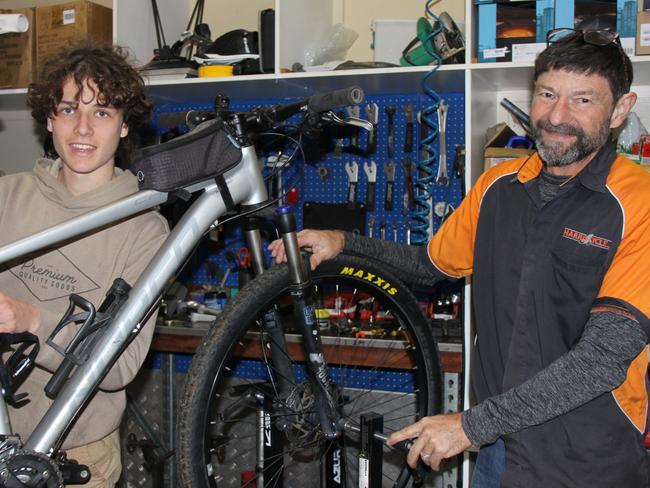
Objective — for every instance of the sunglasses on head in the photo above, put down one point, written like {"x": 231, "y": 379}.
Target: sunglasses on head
{"x": 598, "y": 37}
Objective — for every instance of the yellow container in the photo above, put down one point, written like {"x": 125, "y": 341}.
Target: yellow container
{"x": 212, "y": 71}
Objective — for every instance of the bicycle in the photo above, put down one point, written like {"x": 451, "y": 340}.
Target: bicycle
{"x": 297, "y": 423}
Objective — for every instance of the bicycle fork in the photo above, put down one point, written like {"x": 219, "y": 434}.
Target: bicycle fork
{"x": 326, "y": 393}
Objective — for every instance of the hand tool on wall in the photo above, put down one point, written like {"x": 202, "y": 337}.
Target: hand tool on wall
{"x": 371, "y": 226}
{"x": 382, "y": 230}
{"x": 372, "y": 114}
{"x": 424, "y": 132}
{"x": 408, "y": 139}
{"x": 395, "y": 230}
{"x": 371, "y": 175}
{"x": 409, "y": 196}
{"x": 442, "y": 178}
{"x": 354, "y": 112}
{"x": 407, "y": 225}
{"x": 459, "y": 166}
{"x": 390, "y": 113}
{"x": 389, "y": 170}
{"x": 338, "y": 145}
{"x": 352, "y": 169}
{"x": 338, "y": 148}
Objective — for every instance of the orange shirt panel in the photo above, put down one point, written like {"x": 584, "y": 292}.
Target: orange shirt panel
{"x": 451, "y": 250}
{"x": 628, "y": 277}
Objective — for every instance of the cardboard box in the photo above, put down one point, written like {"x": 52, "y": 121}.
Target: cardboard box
{"x": 513, "y": 31}
{"x": 63, "y": 25}
{"x": 495, "y": 150}
{"x": 643, "y": 34}
{"x": 17, "y": 54}
{"x": 495, "y": 155}
{"x": 390, "y": 37}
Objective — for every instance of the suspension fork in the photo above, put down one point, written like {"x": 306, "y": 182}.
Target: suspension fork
{"x": 272, "y": 326}
{"x": 325, "y": 392}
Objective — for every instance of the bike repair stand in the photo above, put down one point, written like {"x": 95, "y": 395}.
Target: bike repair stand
{"x": 371, "y": 453}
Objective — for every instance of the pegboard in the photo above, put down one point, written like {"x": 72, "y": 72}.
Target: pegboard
{"x": 365, "y": 378}
{"x": 326, "y": 180}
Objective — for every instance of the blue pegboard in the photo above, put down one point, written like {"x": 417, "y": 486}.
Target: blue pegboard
{"x": 363, "y": 378}
{"x": 334, "y": 189}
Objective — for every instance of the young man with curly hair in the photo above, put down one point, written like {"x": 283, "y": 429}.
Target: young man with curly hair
{"x": 90, "y": 100}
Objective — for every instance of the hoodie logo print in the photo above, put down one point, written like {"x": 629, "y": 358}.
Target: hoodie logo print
{"x": 52, "y": 277}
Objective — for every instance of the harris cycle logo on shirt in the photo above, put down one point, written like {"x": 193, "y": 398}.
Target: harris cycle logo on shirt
{"x": 52, "y": 276}
{"x": 586, "y": 239}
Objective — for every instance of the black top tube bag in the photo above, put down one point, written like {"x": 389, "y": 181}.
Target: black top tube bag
{"x": 201, "y": 154}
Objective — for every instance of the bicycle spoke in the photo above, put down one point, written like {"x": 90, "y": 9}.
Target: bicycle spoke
{"x": 380, "y": 374}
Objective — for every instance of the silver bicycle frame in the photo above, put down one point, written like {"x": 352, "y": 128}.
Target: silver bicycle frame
{"x": 246, "y": 185}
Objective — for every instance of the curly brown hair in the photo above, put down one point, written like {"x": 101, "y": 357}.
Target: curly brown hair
{"x": 118, "y": 83}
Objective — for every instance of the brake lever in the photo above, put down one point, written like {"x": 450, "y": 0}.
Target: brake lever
{"x": 332, "y": 118}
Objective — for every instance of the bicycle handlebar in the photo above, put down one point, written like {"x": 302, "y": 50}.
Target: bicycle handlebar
{"x": 323, "y": 102}
{"x": 315, "y": 104}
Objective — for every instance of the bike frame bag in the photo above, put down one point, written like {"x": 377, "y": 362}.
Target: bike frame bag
{"x": 201, "y": 154}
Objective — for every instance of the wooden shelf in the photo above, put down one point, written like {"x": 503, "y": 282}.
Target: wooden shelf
{"x": 186, "y": 340}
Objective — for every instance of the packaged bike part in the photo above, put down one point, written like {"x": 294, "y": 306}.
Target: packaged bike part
{"x": 631, "y": 133}
{"x": 201, "y": 154}
{"x": 333, "y": 45}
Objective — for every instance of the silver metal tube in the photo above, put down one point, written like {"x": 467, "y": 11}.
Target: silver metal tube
{"x": 294, "y": 258}
{"x": 92, "y": 220}
{"x": 144, "y": 293}
{"x": 254, "y": 241}
{"x": 5, "y": 425}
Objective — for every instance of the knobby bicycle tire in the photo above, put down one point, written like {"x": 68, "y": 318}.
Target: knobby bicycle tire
{"x": 380, "y": 352}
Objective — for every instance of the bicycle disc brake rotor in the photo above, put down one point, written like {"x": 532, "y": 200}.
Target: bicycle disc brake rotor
{"x": 27, "y": 469}
{"x": 303, "y": 425}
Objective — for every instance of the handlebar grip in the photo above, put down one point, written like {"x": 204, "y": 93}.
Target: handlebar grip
{"x": 323, "y": 102}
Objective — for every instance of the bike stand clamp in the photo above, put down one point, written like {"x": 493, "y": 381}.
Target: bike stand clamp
{"x": 371, "y": 454}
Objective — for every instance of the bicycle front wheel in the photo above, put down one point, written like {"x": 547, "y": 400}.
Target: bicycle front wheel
{"x": 234, "y": 428}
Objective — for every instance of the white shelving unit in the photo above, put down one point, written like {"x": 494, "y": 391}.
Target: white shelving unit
{"x": 299, "y": 23}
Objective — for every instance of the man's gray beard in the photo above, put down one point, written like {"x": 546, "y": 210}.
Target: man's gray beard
{"x": 552, "y": 155}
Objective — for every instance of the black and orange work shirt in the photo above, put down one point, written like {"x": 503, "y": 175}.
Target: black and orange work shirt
{"x": 537, "y": 272}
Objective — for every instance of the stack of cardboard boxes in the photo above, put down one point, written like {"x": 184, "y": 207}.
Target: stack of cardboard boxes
{"x": 51, "y": 28}
{"x": 643, "y": 29}
{"x": 515, "y": 30}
